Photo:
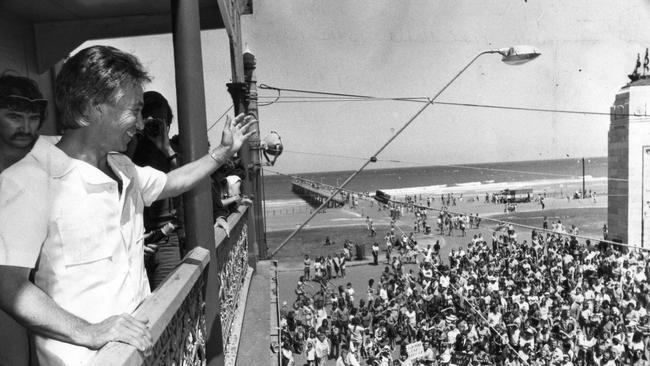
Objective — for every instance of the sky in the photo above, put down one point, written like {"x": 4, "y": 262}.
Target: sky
{"x": 413, "y": 48}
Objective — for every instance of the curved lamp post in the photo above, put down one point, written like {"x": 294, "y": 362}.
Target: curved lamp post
{"x": 514, "y": 55}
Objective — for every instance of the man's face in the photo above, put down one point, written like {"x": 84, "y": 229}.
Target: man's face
{"x": 119, "y": 122}
{"x": 18, "y": 129}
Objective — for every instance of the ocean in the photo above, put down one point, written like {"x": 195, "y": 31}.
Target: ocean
{"x": 486, "y": 177}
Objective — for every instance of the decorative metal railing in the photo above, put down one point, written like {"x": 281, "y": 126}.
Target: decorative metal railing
{"x": 232, "y": 264}
{"x": 176, "y": 310}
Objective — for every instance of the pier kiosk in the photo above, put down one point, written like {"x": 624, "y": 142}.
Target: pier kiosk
{"x": 628, "y": 212}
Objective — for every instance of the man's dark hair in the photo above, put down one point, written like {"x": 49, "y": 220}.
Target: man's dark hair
{"x": 154, "y": 101}
{"x": 95, "y": 75}
{"x": 13, "y": 85}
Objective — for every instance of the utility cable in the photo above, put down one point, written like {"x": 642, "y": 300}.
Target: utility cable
{"x": 352, "y": 97}
{"x": 373, "y": 157}
{"x": 220, "y": 117}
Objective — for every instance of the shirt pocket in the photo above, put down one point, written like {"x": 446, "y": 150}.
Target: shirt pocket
{"x": 83, "y": 240}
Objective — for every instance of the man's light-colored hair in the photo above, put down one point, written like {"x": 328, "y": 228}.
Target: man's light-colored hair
{"x": 95, "y": 75}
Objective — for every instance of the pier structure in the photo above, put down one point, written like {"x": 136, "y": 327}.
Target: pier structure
{"x": 315, "y": 193}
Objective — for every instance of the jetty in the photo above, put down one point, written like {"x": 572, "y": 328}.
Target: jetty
{"x": 316, "y": 193}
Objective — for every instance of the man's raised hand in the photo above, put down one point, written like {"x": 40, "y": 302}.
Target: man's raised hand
{"x": 235, "y": 133}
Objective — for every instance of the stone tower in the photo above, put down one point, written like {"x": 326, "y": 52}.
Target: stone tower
{"x": 628, "y": 212}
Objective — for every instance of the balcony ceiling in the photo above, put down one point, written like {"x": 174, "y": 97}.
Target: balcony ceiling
{"x": 46, "y": 11}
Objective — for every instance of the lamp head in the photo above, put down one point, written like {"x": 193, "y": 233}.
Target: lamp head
{"x": 272, "y": 145}
{"x": 517, "y": 55}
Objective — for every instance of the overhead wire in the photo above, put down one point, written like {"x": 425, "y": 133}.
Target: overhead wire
{"x": 347, "y": 97}
{"x": 373, "y": 158}
{"x": 220, "y": 117}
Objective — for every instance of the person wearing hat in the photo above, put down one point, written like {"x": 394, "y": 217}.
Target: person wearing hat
{"x": 22, "y": 112}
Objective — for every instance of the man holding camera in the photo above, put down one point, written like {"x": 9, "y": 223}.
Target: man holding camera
{"x": 72, "y": 213}
{"x": 163, "y": 228}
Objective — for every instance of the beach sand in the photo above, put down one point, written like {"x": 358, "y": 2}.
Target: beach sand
{"x": 350, "y": 223}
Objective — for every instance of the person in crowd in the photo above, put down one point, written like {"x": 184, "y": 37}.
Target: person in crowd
{"x": 151, "y": 147}
{"x": 78, "y": 230}
{"x": 226, "y": 192}
{"x": 22, "y": 113}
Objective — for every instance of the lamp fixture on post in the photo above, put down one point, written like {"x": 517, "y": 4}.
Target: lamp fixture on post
{"x": 517, "y": 55}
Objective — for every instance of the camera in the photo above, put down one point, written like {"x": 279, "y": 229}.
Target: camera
{"x": 153, "y": 127}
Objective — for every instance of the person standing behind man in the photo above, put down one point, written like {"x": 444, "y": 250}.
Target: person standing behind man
{"x": 72, "y": 213}
{"x": 22, "y": 112}
{"x": 162, "y": 219}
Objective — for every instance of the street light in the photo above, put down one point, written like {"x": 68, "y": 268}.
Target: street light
{"x": 517, "y": 55}
{"x": 514, "y": 55}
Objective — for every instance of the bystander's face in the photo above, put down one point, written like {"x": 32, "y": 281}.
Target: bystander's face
{"x": 120, "y": 121}
{"x": 18, "y": 129}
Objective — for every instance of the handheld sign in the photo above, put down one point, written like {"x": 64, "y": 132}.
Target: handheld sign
{"x": 415, "y": 350}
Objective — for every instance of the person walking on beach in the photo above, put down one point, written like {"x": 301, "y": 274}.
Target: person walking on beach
{"x": 342, "y": 264}
{"x": 375, "y": 253}
{"x": 336, "y": 261}
{"x": 389, "y": 248}
{"x": 307, "y": 269}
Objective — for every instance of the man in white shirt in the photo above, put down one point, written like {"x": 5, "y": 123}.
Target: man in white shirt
{"x": 73, "y": 213}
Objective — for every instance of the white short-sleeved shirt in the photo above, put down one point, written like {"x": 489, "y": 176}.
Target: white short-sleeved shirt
{"x": 67, "y": 220}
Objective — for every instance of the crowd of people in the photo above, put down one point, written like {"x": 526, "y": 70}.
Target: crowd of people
{"x": 553, "y": 300}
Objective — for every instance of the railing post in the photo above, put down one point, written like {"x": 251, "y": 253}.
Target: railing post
{"x": 192, "y": 127}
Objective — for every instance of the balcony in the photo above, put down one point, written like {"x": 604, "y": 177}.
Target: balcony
{"x": 177, "y": 309}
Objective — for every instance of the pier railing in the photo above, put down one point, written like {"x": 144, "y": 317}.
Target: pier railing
{"x": 176, "y": 310}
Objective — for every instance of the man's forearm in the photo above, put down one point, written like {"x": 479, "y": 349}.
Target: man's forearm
{"x": 187, "y": 176}
{"x": 38, "y": 312}
{"x": 35, "y": 310}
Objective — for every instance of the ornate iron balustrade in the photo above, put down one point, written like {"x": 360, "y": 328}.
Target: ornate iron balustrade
{"x": 232, "y": 266}
{"x": 176, "y": 310}
{"x": 176, "y": 313}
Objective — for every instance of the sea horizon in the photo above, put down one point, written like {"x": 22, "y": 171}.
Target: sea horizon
{"x": 452, "y": 178}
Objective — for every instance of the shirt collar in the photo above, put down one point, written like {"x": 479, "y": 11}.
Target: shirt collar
{"x": 54, "y": 160}
{"x": 57, "y": 163}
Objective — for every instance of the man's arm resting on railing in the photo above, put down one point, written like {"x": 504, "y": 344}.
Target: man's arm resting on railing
{"x": 35, "y": 310}
{"x": 186, "y": 177}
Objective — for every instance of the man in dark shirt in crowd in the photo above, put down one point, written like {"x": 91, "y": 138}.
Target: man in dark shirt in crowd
{"x": 22, "y": 112}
